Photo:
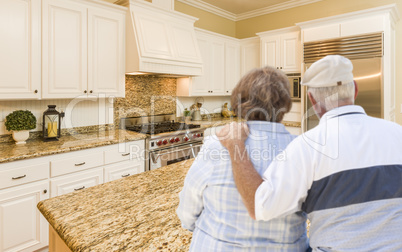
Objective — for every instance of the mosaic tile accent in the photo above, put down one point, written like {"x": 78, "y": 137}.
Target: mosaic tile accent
{"x": 146, "y": 95}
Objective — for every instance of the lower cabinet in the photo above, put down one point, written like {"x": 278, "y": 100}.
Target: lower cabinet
{"x": 123, "y": 169}
{"x": 22, "y": 226}
{"x": 76, "y": 181}
{"x": 24, "y": 183}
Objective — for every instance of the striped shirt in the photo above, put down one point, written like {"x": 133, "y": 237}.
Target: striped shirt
{"x": 212, "y": 208}
{"x": 346, "y": 174}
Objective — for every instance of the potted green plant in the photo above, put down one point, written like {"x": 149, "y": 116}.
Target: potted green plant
{"x": 20, "y": 122}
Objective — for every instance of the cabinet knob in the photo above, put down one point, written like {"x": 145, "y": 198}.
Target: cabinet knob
{"x": 281, "y": 67}
{"x": 36, "y": 91}
{"x": 90, "y": 91}
{"x": 45, "y": 191}
{"x": 227, "y": 91}
{"x": 85, "y": 91}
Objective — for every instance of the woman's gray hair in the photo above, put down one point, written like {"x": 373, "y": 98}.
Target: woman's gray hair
{"x": 329, "y": 97}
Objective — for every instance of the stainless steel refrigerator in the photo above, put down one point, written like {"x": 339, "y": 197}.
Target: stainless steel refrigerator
{"x": 367, "y": 72}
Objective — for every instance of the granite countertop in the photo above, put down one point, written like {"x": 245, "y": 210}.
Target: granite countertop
{"x": 137, "y": 213}
{"x": 218, "y": 121}
{"x": 9, "y": 151}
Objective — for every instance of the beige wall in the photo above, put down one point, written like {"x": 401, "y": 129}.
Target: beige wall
{"x": 207, "y": 20}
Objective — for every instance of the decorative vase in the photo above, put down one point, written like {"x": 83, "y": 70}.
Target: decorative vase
{"x": 20, "y": 136}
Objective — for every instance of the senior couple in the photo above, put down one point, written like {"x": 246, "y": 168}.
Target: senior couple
{"x": 253, "y": 187}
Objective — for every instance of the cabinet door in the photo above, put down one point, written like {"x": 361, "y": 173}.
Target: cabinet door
{"x": 199, "y": 85}
{"x": 154, "y": 40}
{"x": 20, "y": 60}
{"x": 217, "y": 69}
{"x": 232, "y": 66}
{"x": 270, "y": 51}
{"x": 64, "y": 44}
{"x": 75, "y": 182}
{"x": 22, "y": 226}
{"x": 250, "y": 56}
{"x": 106, "y": 62}
{"x": 291, "y": 52}
{"x": 124, "y": 169}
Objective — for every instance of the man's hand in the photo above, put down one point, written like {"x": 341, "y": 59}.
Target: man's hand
{"x": 233, "y": 134}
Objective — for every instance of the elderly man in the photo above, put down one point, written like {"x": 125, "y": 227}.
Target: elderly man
{"x": 345, "y": 173}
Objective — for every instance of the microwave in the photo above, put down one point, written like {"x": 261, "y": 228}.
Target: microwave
{"x": 295, "y": 87}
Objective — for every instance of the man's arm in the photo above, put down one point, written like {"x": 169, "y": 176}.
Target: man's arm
{"x": 247, "y": 179}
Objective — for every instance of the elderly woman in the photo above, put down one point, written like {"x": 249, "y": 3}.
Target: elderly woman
{"x": 210, "y": 204}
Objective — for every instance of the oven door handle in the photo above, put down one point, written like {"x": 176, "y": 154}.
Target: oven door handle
{"x": 157, "y": 154}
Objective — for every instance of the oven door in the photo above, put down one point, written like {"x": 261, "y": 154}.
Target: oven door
{"x": 159, "y": 158}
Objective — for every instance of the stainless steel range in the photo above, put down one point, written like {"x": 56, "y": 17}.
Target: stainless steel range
{"x": 168, "y": 141}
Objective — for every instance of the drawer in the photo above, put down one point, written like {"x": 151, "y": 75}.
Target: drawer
{"x": 124, "y": 169}
{"x": 26, "y": 174}
{"x": 75, "y": 182}
{"x": 124, "y": 152}
{"x": 114, "y": 155}
{"x": 76, "y": 163}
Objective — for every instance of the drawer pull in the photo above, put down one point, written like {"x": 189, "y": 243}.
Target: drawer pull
{"x": 20, "y": 177}
{"x": 77, "y": 189}
{"x": 125, "y": 154}
{"x": 80, "y": 164}
{"x": 123, "y": 176}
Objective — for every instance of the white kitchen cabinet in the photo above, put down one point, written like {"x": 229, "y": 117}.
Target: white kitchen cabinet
{"x": 331, "y": 29}
{"x": 106, "y": 47}
{"x": 24, "y": 183}
{"x": 65, "y": 52}
{"x": 221, "y": 57}
{"x": 76, "y": 181}
{"x": 212, "y": 81}
{"x": 83, "y": 49}
{"x": 249, "y": 54}
{"x": 20, "y": 49}
{"x": 281, "y": 49}
{"x": 232, "y": 65}
{"x": 22, "y": 226}
{"x": 123, "y": 169}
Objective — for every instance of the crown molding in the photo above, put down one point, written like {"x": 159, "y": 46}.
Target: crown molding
{"x": 237, "y": 17}
{"x": 210, "y": 8}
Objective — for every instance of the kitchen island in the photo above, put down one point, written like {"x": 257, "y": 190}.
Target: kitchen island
{"x": 137, "y": 213}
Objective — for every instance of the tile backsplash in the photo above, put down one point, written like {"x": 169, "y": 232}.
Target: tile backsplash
{"x": 146, "y": 95}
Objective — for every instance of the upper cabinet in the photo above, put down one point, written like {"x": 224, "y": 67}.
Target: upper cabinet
{"x": 63, "y": 50}
{"x": 249, "y": 54}
{"x": 221, "y": 57}
{"x": 281, "y": 49}
{"x": 20, "y": 49}
{"x": 83, "y": 50}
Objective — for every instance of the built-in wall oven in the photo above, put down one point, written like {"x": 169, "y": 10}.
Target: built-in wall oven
{"x": 167, "y": 141}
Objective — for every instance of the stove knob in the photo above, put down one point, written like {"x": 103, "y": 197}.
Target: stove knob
{"x": 198, "y": 134}
{"x": 159, "y": 143}
{"x": 194, "y": 135}
{"x": 177, "y": 139}
{"x": 171, "y": 140}
{"x": 165, "y": 141}
{"x": 186, "y": 139}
